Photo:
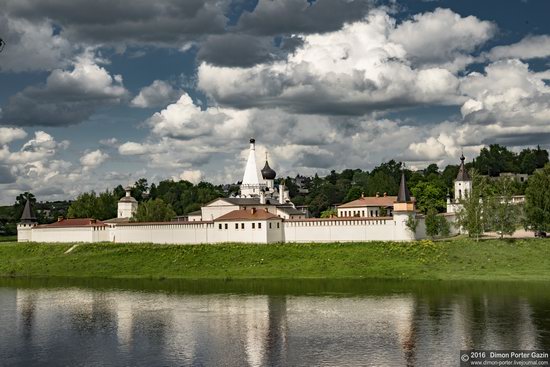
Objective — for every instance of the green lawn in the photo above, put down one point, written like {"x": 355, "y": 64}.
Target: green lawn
{"x": 458, "y": 259}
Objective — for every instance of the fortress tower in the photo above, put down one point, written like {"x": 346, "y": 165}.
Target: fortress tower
{"x": 27, "y": 222}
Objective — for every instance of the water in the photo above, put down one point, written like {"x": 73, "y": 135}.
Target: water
{"x": 265, "y": 323}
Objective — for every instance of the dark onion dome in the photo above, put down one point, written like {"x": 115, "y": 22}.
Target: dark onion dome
{"x": 268, "y": 173}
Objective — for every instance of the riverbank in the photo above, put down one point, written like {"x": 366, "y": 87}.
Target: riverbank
{"x": 462, "y": 259}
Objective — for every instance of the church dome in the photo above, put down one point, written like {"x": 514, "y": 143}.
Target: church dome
{"x": 268, "y": 173}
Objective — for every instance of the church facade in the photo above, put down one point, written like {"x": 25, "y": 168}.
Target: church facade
{"x": 262, "y": 213}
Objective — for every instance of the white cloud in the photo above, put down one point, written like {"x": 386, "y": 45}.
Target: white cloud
{"x": 132, "y": 148}
{"x": 370, "y": 65}
{"x": 93, "y": 159}
{"x": 442, "y": 37}
{"x": 193, "y": 176}
{"x": 530, "y": 47}
{"x": 507, "y": 93}
{"x": 9, "y": 134}
{"x": 158, "y": 94}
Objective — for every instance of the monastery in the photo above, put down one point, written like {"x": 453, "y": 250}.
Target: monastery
{"x": 262, "y": 213}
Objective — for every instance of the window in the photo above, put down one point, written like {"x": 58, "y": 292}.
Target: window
{"x": 226, "y": 226}
{"x": 277, "y": 225}
{"x": 253, "y": 225}
{"x": 269, "y": 225}
{"x": 242, "y": 225}
{"x": 220, "y": 226}
{"x": 236, "y": 225}
{"x": 259, "y": 225}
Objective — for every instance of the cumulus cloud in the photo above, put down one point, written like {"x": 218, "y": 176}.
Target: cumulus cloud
{"x": 9, "y": 134}
{"x": 158, "y": 94}
{"x": 363, "y": 67}
{"x": 164, "y": 22}
{"x": 530, "y": 47}
{"x": 299, "y": 16}
{"x": 442, "y": 37}
{"x": 193, "y": 176}
{"x": 68, "y": 96}
{"x": 184, "y": 120}
{"x": 32, "y": 45}
{"x": 132, "y": 148}
{"x": 507, "y": 93}
{"x": 237, "y": 50}
{"x": 93, "y": 159}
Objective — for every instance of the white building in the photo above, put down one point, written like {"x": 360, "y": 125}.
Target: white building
{"x": 261, "y": 214}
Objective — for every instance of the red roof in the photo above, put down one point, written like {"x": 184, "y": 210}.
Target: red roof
{"x": 74, "y": 222}
{"x": 247, "y": 214}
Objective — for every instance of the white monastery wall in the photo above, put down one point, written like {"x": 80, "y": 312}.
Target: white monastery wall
{"x": 70, "y": 234}
{"x": 163, "y": 233}
{"x": 346, "y": 230}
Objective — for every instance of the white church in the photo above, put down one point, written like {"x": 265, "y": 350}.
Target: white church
{"x": 262, "y": 213}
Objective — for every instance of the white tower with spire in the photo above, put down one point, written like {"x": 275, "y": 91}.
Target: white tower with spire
{"x": 252, "y": 183}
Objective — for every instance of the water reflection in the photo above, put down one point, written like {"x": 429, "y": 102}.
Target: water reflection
{"x": 411, "y": 326}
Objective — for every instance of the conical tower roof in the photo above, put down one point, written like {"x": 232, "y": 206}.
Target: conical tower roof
{"x": 28, "y": 215}
{"x": 462, "y": 172}
{"x": 403, "y": 196}
{"x": 251, "y": 174}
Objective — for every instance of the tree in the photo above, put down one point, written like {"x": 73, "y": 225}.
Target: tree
{"x": 436, "y": 224}
{"x": 537, "y": 200}
{"x": 496, "y": 159}
{"x": 353, "y": 194}
{"x": 502, "y": 215}
{"x": 154, "y": 211}
{"x": 428, "y": 196}
{"x": 89, "y": 205}
{"x": 412, "y": 223}
{"x": 432, "y": 223}
{"x": 84, "y": 206}
{"x": 471, "y": 217}
{"x": 329, "y": 213}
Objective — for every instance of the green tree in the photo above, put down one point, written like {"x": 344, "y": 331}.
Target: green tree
{"x": 84, "y": 206}
{"x": 471, "y": 216}
{"x": 90, "y": 205}
{"x": 537, "y": 200}
{"x": 329, "y": 213}
{"x": 432, "y": 222}
{"x": 502, "y": 215}
{"x": 154, "y": 211}
{"x": 412, "y": 223}
{"x": 353, "y": 194}
{"x": 496, "y": 159}
{"x": 428, "y": 196}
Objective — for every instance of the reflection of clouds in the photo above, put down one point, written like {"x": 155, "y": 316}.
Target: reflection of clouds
{"x": 73, "y": 326}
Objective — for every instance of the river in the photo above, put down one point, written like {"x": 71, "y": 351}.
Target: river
{"x": 94, "y": 322}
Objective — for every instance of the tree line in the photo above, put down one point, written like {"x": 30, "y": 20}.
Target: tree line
{"x": 429, "y": 186}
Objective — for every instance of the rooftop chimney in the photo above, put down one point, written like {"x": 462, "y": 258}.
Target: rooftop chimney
{"x": 253, "y": 210}
{"x": 377, "y": 194}
{"x": 60, "y": 218}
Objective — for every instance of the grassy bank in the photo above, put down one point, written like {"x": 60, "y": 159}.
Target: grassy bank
{"x": 446, "y": 260}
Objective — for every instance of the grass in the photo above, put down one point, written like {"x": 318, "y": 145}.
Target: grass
{"x": 459, "y": 259}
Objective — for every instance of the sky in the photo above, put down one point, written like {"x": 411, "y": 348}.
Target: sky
{"x": 97, "y": 94}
